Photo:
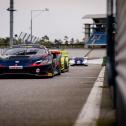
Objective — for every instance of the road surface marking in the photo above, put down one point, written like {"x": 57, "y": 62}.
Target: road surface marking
{"x": 73, "y": 77}
{"x": 91, "y": 110}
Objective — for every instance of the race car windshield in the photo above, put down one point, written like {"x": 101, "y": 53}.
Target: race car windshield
{"x": 80, "y": 58}
{"x": 25, "y": 51}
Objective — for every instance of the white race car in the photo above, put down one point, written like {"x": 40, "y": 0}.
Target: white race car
{"x": 78, "y": 61}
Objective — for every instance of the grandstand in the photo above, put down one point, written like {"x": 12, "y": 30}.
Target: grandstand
{"x": 95, "y": 34}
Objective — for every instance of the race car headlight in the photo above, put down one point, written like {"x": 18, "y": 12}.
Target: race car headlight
{"x": 72, "y": 61}
{"x": 85, "y": 61}
{"x": 40, "y": 62}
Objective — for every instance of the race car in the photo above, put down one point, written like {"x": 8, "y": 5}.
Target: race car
{"x": 29, "y": 60}
{"x": 78, "y": 61}
{"x": 64, "y": 61}
{"x": 56, "y": 60}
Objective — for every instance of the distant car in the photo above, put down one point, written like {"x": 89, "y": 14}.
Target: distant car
{"x": 64, "y": 61}
{"x": 29, "y": 60}
{"x": 78, "y": 61}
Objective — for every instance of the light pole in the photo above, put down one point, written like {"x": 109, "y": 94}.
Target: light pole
{"x": 11, "y": 9}
{"x": 32, "y": 19}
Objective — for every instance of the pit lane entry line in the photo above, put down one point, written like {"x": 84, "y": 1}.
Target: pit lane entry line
{"x": 91, "y": 110}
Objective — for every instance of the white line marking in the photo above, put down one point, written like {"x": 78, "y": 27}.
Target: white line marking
{"x": 91, "y": 110}
{"x": 95, "y": 61}
{"x": 78, "y": 77}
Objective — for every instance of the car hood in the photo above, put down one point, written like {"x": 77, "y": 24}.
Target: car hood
{"x": 25, "y": 60}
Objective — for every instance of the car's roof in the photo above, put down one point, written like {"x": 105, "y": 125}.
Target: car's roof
{"x": 28, "y": 46}
{"x": 77, "y": 57}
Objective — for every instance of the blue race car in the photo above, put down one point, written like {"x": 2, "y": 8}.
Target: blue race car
{"x": 78, "y": 61}
{"x": 28, "y": 59}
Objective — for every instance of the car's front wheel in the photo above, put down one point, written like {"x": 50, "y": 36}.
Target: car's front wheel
{"x": 51, "y": 72}
{"x": 59, "y": 70}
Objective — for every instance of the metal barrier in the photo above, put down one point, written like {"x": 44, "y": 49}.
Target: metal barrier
{"x": 116, "y": 52}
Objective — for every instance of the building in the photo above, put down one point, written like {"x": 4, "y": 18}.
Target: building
{"x": 95, "y": 33}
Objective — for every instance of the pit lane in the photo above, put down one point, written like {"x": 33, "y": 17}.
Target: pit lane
{"x": 46, "y": 102}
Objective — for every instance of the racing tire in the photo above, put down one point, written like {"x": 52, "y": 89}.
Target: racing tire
{"x": 59, "y": 71}
{"x": 51, "y": 71}
{"x": 66, "y": 66}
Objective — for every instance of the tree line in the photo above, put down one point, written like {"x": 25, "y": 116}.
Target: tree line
{"x": 58, "y": 43}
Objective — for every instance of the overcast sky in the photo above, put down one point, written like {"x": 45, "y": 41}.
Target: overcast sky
{"x": 64, "y": 17}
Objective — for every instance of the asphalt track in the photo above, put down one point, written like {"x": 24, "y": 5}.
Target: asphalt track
{"x": 46, "y": 102}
